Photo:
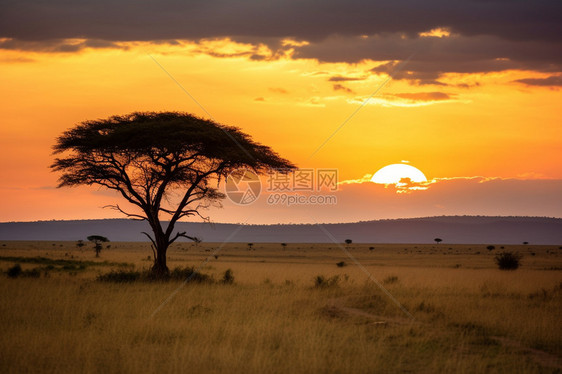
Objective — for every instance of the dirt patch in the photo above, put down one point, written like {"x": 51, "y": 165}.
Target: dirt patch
{"x": 337, "y": 305}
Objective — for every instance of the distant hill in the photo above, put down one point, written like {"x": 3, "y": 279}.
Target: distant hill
{"x": 452, "y": 229}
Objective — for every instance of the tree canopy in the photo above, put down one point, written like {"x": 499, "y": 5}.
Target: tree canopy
{"x": 97, "y": 240}
{"x": 147, "y": 155}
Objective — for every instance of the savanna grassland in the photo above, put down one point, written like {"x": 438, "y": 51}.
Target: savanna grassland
{"x": 289, "y": 310}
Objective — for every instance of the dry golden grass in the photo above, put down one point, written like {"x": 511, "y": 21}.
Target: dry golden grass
{"x": 469, "y": 316}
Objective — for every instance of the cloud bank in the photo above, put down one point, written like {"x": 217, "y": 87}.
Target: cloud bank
{"x": 467, "y": 36}
{"x": 362, "y": 200}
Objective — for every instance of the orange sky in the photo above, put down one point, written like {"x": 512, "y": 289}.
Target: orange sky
{"x": 472, "y": 124}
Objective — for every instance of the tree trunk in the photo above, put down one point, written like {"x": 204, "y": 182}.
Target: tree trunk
{"x": 160, "y": 269}
{"x": 160, "y": 242}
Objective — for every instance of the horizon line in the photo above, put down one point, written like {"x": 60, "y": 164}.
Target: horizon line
{"x": 290, "y": 224}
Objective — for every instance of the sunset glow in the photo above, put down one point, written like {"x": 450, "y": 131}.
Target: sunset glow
{"x": 495, "y": 117}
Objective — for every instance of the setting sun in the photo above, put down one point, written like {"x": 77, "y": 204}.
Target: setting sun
{"x": 395, "y": 173}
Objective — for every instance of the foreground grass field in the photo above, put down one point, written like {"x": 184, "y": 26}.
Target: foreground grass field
{"x": 277, "y": 317}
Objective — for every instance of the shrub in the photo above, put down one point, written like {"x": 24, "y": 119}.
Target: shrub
{"x": 341, "y": 264}
{"x": 72, "y": 267}
{"x": 390, "y": 279}
{"x": 120, "y": 276}
{"x": 189, "y": 274}
{"x": 14, "y": 271}
{"x": 33, "y": 273}
{"x": 508, "y": 260}
{"x": 228, "y": 277}
{"x": 490, "y": 248}
{"x": 322, "y": 282}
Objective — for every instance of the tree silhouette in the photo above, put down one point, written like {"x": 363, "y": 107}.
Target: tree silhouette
{"x": 164, "y": 164}
{"x": 97, "y": 240}
{"x": 348, "y": 241}
{"x": 438, "y": 240}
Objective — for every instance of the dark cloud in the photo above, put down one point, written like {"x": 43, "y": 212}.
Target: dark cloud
{"x": 305, "y": 19}
{"x": 424, "y": 96}
{"x": 418, "y": 77}
{"x": 552, "y": 81}
{"x": 466, "y": 85}
{"x": 429, "y": 58}
{"x": 339, "y": 78}
{"x": 339, "y": 87}
{"x": 486, "y": 36}
{"x": 58, "y": 45}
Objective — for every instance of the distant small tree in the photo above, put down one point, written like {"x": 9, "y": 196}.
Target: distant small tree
{"x": 250, "y": 245}
{"x": 508, "y": 260}
{"x": 97, "y": 240}
{"x": 284, "y": 245}
{"x": 80, "y": 244}
{"x": 490, "y": 248}
{"x": 525, "y": 243}
{"x": 438, "y": 240}
{"x": 348, "y": 241}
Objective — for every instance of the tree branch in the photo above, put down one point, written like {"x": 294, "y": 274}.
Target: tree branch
{"x": 183, "y": 235}
{"x": 153, "y": 244}
{"x": 135, "y": 217}
{"x": 188, "y": 193}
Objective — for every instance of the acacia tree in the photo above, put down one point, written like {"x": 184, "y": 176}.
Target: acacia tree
{"x": 166, "y": 165}
{"x": 97, "y": 240}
